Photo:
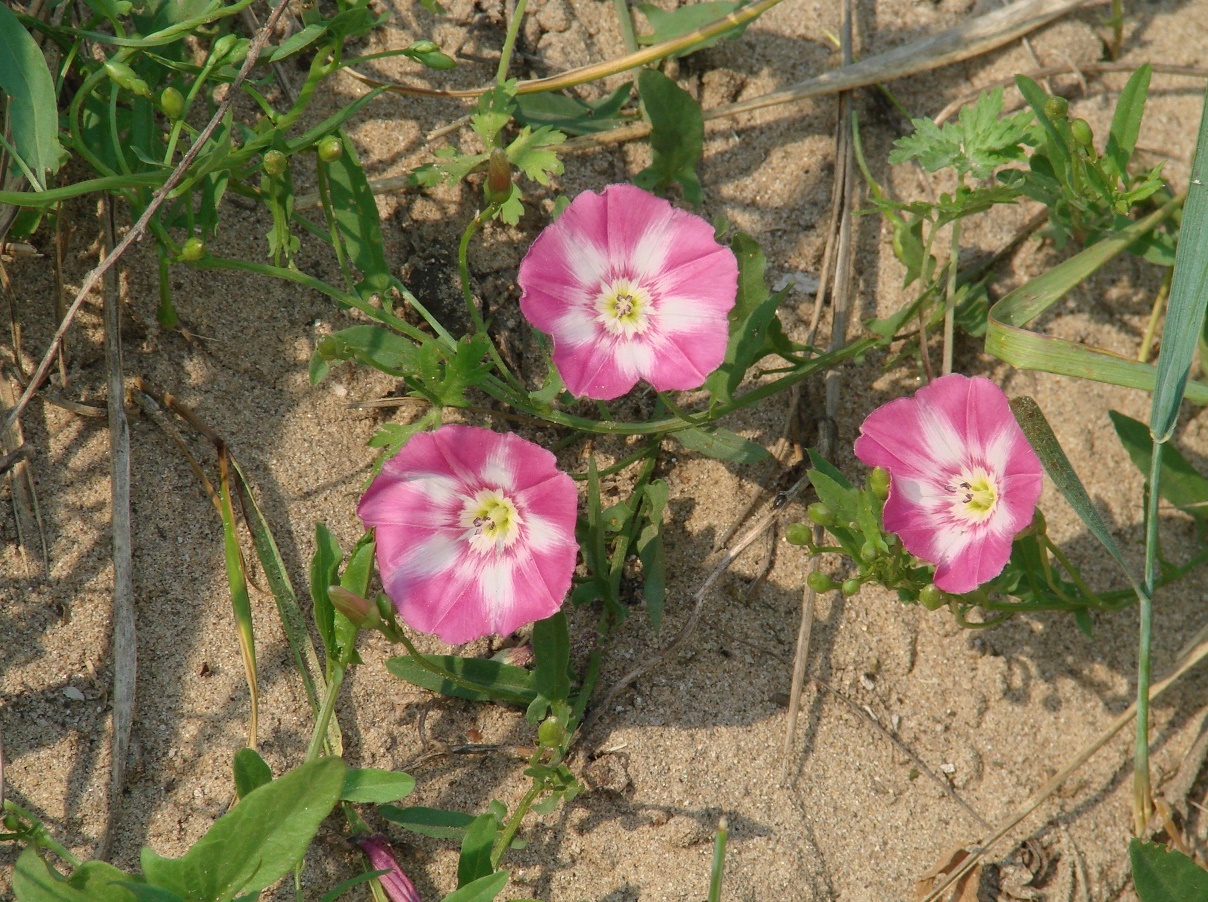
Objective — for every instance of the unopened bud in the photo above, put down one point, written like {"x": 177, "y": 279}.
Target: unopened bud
{"x": 878, "y": 482}
{"x": 819, "y": 581}
{"x": 499, "y": 177}
{"x": 125, "y": 77}
{"x": 1056, "y": 108}
{"x": 1081, "y": 132}
{"x": 172, "y": 102}
{"x": 821, "y": 514}
{"x": 930, "y": 597}
{"x": 798, "y": 534}
{"x": 330, "y": 148}
{"x": 351, "y": 605}
{"x": 397, "y": 886}
{"x": 275, "y": 162}
{"x": 850, "y": 587}
{"x": 193, "y": 250}
{"x": 551, "y": 732}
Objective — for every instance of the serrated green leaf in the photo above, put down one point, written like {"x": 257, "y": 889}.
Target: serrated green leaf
{"x": 494, "y": 111}
{"x": 375, "y": 786}
{"x": 33, "y": 113}
{"x": 530, "y": 153}
{"x": 976, "y": 143}
{"x": 257, "y": 842}
{"x": 493, "y": 680}
{"x": 1166, "y": 875}
{"x": 721, "y": 444}
{"x": 435, "y": 822}
{"x": 833, "y": 488}
{"x": 677, "y": 136}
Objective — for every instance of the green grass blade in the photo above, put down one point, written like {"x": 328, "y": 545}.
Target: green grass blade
{"x": 240, "y": 602}
{"x": 1007, "y": 339}
{"x": 1188, "y": 296}
{"x": 1058, "y": 467}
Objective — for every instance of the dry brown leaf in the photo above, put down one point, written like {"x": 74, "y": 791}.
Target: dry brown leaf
{"x": 963, "y": 890}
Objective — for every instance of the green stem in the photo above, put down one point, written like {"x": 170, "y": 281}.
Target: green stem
{"x": 463, "y": 266}
{"x": 509, "y": 42}
{"x": 323, "y": 721}
{"x": 1142, "y": 789}
{"x": 40, "y": 836}
{"x": 719, "y": 860}
{"x": 950, "y": 300}
{"x": 513, "y": 824}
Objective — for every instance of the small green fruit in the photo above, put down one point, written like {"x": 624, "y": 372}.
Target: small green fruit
{"x": 798, "y": 534}
{"x": 850, "y": 587}
{"x": 551, "y": 732}
{"x": 330, "y": 149}
{"x": 819, "y": 581}
{"x": 1080, "y": 129}
{"x": 172, "y": 102}
{"x": 125, "y": 77}
{"x": 931, "y": 598}
{"x": 194, "y": 249}
{"x": 821, "y": 514}
{"x": 1056, "y": 108}
{"x": 275, "y": 162}
{"x": 422, "y": 47}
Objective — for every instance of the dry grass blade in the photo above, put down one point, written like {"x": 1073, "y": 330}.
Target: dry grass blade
{"x": 124, "y": 647}
{"x": 16, "y": 467}
{"x": 1197, "y": 653}
{"x": 140, "y": 227}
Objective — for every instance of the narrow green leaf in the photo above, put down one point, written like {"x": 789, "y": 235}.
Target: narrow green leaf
{"x": 323, "y": 567}
{"x": 484, "y": 889}
{"x": 649, "y": 546}
{"x": 93, "y": 881}
{"x": 475, "y": 859}
{"x": 435, "y": 822}
{"x": 551, "y": 650}
{"x": 356, "y": 218}
{"x": 1126, "y": 122}
{"x": 677, "y": 136}
{"x": 1188, "y": 295}
{"x": 298, "y": 41}
{"x": 495, "y": 680}
{"x": 1040, "y": 434}
{"x": 722, "y": 444}
{"x": 257, "y": 842}
{"x": 1166, "y": 875}
{"x": 833, "y": 488}
{"x": 1181, "y": 483}
{"x": 668, "y": 24}
{"x": 251, "y": 772}
{"x": 375, "y": 346}
{"x": 569, "y": 114}
{"x": 33, "y": 113}
{"x": 241, "y": 603}
{"x": 375, "y": 786}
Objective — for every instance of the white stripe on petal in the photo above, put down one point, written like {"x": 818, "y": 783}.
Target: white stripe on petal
{"x": 634, "y": 358}
{"x": 439, "y": 489}
{"x": 433, "y": 555}
{"x": 650, "y": 252}
{"x": 577, "y": 326}
{"x": 588, "y": 263}
{"x": 498, "y": 471}
{"x": 945, "y": 445}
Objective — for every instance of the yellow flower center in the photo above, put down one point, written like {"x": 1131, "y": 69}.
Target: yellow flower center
{"x": 623, "y": 308}
{"x": 975, "y": 495}
{"x": 491, "y": 521}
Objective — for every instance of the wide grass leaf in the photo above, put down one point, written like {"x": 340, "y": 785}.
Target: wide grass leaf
{"x": 257, "y": 842}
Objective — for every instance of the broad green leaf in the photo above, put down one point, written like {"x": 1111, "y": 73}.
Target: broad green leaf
{"x": 474, "y": 862}
{"x": 257, "y": 842}
{"x": 93, "y": 881}
{"x": 1040, "y": 435}
{"x": 668, "y": 24}
{"x": 492, "y": 680}
{"x": 1180, "y": 484}
{"x": 435, "y": 822}
{"x": 551, "y": 650}
{"x": 484, "y": 889}
{"x": 1188, "y": 295}
{"x": 356, "y": 218}
{"x": 754, "y": 309}
{"x": 372, "y": 785}
{"x": 677, "y": 135}
{"x": 33, "y": 113}
{"x": 251, "y": 772}
{"x": 1166, "y": 875}
{"x": 1126, "y": 123}
{"x": 145, "y": 893}
{"x": 722, "y": 444}
{"x": 1007, "y": 339}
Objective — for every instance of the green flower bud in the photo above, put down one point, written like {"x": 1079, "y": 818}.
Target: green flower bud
{"x": 821, "y": 514}
{"x": 123, "y": 7}
{"x": 421, "y": 47}
{"x": 224, "y": 46}
{"x": 869, "y": 553}
{"x": 819, "y": 581}
{"x": 124, "y": 76}
{"x": 172, "y": 102}
{"x": 798, "y": 534}
{"x": 194, "y": 249}
{"x": 499, "y": 177}
{"x": 1080, "y": 129}
{"x": 330, "y": 148}
{"x": 551, "y": 733}
{"x": 930, "y": 597}
{"x": 438, "y": 60}
{"x": 850, "y": 587}
{"x": 275, "y": 162}
{"x": 878, "y": 482}
{"x": 328, "y": 347}
{"x": 1056, "y": 108}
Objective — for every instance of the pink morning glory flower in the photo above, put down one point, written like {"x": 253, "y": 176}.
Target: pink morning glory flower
{"x": 630, "y": 288}
{"x": 963, "y": 478}
{"x": 475, "y": 532}
{"x": 397, "y": 885}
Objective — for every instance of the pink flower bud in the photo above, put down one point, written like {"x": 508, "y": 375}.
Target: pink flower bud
{"x": 381, "y": 857}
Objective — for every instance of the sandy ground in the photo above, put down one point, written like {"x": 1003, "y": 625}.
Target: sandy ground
{"x": 991, "y": 713}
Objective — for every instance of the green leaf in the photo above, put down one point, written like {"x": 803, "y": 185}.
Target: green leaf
{"x": 323, "y": 567}
{"x": 257, "y": 842}
{"x": 551, "y": 649}
{"x": 298, "y": 41}
{"x": 833, "y": 488}
{"x": 1180, "y": 484}
{"x": 754, "y": 309}
{"x": 1126, "y": 122}
{"x": 1040, "y": 435}
{"x": 475, "y": 859}
{"x": 649, "y": 546}
{"x": 93, "y": 881}
{"x": 1188, "y": 295}
{"x": 483, "y": 889}
{"x": 435, "y": 822}
{"x": 530, "y": 153}
{"x": 33, "y": 113}
{"x": 668, "y": 24}
{"x": 1166, "y": 875}
{"x": 372, "y": 785}
{"x": 494, "y": 681}
{"x": 721, "y": 444}
{"x": 251, "y": 772}
{"x": 373, "y": 346}
{"x": 677, "y": 136}
{"x": 355, "y": 212}
{"x": 569, "y": 114}
{"x": 494, "y": 111}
